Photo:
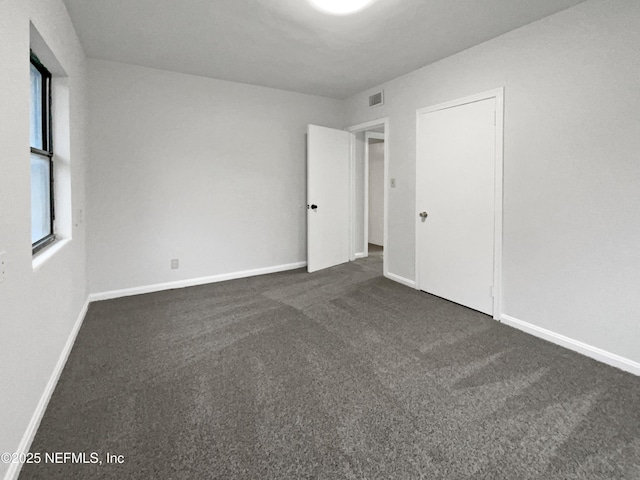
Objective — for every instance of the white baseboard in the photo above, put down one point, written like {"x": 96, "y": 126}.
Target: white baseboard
{"x": 36, "y": 418}
{"x": 361, "y": 255}
{"x": 399, "y": 279}
{"x": 593, "y": 352}
{"x": 193, "y": 282}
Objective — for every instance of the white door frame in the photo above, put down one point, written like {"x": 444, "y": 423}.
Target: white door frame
{"x": 498, "y": 95}
{"x": 361, "y": 127}
{"x": 367, "y": 136}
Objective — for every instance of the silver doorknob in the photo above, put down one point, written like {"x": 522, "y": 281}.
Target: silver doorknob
{"x": 423, "y": 215}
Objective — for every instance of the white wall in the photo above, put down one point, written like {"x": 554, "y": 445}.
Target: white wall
{"x": 571, "y": 173}
{"x": 376, "y": 193}
{"x": 207, "y": 171}
{"x": 213, "y": 172}
{"x": 39, "y": 305}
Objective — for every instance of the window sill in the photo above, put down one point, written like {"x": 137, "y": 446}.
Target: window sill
{"x": 48, "y": 252}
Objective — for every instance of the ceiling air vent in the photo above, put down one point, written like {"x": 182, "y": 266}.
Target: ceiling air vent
{"x": 376, "y": 99}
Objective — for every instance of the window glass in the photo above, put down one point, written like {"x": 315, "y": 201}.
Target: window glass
{"x": 36, "y": 108}
{"x": 42, "y": 206}
{"x": 40, "y": 197}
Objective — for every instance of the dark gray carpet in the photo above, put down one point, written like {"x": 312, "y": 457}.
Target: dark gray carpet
{"x": 375, "y": 250}
{"x": 338, "y": 374}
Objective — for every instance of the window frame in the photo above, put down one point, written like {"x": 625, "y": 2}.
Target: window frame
{"x": 47, "y": 147}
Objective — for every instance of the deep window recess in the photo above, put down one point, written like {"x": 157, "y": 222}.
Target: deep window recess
{"x": 42, "y": 205}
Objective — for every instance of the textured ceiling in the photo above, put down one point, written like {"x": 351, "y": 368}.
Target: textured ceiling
{"x": 290, "y": 45}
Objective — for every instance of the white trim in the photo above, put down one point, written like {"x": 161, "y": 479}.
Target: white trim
{"x": 385, "y": 220}
{"x": 352, "y": 196}
{"x": 361, "y": 255}
{"x": 399, "y": 279}
{"x": 36, "y": 418}
{"x": 47, "y": 253}
{"x": 464, "y": 100}
{"x": 158, "y": 287}
{"x": 382, "y": 122}
{"x": 590, "y": 351}
{"x": 498, "y": 95}
{"x": 376, "y": 135}
{"x": 308, "y": 200}
{"x": 365, "y": 186}
{"x": 369, "y": 125}
{"x": 498, "y": 204}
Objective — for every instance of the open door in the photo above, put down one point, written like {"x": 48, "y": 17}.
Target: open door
{"x": 328, "y": 157}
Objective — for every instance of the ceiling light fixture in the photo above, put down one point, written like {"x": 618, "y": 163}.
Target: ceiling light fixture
{"x": 340, "y": 7}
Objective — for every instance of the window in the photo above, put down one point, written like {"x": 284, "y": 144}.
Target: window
{"x": 42, "y": 205}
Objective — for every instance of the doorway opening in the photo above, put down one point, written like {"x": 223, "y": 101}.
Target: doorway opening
{"x": 338, "y": 195}
{"x": 374, "y": 194}
{"x": 369, "y": 193}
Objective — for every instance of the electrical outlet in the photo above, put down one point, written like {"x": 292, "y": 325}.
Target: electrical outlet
{"x": 393, "y": 183}
{"x": 175, "y": 264}
{"x": 2, "y": 264}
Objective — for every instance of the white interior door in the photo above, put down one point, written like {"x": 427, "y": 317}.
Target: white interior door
{"x": 328, "y": 206}
{"x": 455, "y": 187}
